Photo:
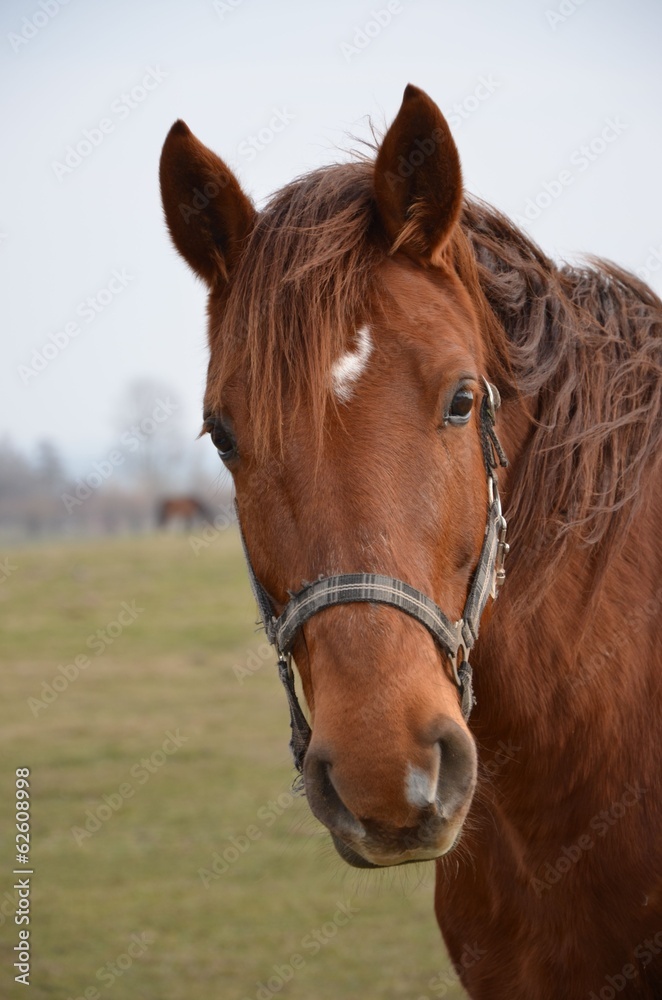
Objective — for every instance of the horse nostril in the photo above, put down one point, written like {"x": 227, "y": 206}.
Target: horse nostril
{"x": 457, "y": 771}
{"x": 324, "y": 800}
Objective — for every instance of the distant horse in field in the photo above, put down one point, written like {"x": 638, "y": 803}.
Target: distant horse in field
{"x": 362, "y": 326}
{"x": 185, "y": 510}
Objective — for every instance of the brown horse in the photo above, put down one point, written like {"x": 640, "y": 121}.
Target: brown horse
{"x": 351, "y": 325}
{"x": 187, "y": 510}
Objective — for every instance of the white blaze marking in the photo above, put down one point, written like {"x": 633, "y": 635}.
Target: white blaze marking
{"x": 349, "y": 368}
{"x": 421, "y": 786}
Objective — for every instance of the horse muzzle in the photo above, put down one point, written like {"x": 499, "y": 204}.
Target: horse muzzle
{"x": 433, "y": 804}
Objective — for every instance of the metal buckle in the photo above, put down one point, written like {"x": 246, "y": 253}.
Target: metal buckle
{"x": 493, "y": 399}
{"x": 285, "y": 665}
{"x": 455, "y": 660}
{"x": 503, "y": 548}
{"x": 493, "y": 495}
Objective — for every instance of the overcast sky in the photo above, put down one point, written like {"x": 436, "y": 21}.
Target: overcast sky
{"x": 535, "y": 90}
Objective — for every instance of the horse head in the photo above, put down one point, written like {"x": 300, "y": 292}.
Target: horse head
{"x": 345, "y": 387}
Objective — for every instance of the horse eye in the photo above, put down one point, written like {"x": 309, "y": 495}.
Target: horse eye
{"x": 461, "y": 406}
{"x": 222, "y": 440}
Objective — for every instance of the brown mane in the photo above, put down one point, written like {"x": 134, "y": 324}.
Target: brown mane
{"x": 586, "y": 344}
{"x": 585, "y": 341}
{"x": 302, "y": 281}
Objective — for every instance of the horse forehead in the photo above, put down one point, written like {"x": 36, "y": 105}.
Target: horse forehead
{"x": 429, "y": 311}
{"x": 438, "y": 330}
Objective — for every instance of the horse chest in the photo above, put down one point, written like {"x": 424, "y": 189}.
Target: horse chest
{"x": 569, "y": 939}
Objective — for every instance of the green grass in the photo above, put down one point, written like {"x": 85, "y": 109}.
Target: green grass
{"x": 171, "y": 671}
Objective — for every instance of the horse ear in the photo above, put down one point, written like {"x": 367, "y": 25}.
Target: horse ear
{"x": 418, "y": 181}
{"x": 207, "y": 213}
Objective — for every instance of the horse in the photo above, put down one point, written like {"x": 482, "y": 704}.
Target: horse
{"x": 363, "y": 328}
{"x": 187, "y": 510}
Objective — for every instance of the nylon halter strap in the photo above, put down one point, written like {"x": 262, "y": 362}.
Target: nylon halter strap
{"x": 455, "y": 639}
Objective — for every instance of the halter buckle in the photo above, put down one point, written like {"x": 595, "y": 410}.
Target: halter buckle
{"x": 462, "y": 674}
{"x": 503, "y": 548}
{"x": 460, "y": 656}
{"x": 493, "y": 399}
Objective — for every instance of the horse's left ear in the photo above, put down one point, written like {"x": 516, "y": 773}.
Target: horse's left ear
{"x": 418, "y": 181}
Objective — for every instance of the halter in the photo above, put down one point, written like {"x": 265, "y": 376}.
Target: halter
{"x": 455, "y": 639}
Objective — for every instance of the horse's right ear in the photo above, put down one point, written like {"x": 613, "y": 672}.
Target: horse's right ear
{"x": 207, "y": 213}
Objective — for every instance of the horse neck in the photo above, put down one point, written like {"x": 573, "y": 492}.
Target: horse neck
{"x": 557, "y": 666}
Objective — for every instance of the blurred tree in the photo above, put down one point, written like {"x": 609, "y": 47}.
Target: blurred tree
{"x": 16, "y": 474}
{"x": 49, "y": 468}
{"x": 151, "y": 439}
{"x": 30, "y": 491}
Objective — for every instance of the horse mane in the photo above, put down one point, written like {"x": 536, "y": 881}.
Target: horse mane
{"x": 585, "y": 344}
{"x": 302, "y": 282}
{"x": 582, "y": 343}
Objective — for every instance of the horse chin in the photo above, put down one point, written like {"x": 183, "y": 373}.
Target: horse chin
{"x": 350, "y": 856}
{"x": 356, "y": 860}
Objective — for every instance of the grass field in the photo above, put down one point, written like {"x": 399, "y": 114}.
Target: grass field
{"x": 170, "y": 859}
